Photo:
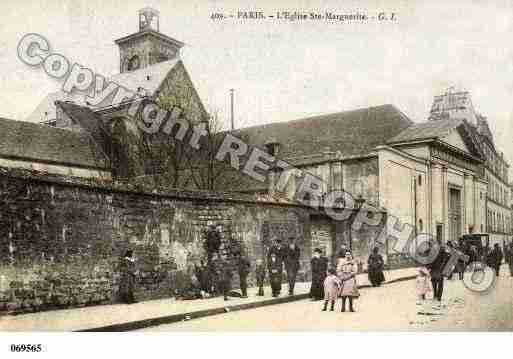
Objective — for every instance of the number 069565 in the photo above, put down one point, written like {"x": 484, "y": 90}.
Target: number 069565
{"x": 31, "y": 348}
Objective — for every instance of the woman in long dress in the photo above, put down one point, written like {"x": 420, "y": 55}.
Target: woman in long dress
{"x": 127, "y": 280}
{"x": 375, "y": 268}
{"x": 347, "y": 268}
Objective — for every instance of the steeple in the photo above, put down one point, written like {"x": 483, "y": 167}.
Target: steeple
{"x": 148, "y": 46}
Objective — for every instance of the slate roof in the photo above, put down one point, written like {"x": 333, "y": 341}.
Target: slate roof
{"x": 426, "y": 130}
{"x": 42, "y": 143}
{"x": 352, "y": 133}
{"x": 149, "y": 78}
{"x": 90, "y": 122}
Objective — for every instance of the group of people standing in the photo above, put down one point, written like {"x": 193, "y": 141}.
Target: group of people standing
{"x": 215, "y": 276}
{"x": 333, "y": 282}
{"x": 280, "y": 256}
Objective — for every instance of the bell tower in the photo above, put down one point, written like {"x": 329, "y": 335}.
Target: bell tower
{"x": 148, "y": 46}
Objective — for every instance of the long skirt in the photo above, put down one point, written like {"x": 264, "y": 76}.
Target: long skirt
{"x": 376, "y": 277}
{"x": 349, "y": 288}
{"x": 126, "y": 288}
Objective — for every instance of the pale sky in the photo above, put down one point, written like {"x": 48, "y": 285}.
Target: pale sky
{"x": 284, "y": 70}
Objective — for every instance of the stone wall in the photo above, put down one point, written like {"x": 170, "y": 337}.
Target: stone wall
{"x": 61, "y": 239}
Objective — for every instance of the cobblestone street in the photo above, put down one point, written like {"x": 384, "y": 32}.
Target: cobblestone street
{"x": 391, "y": 307}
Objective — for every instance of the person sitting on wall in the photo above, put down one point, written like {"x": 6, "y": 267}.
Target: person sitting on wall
{"x": 128, "y": 277}
{"x": 212, "y": 241}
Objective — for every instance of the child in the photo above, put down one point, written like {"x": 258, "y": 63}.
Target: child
{"x": 260, "y": 276}
{"x": 331, "y": 289}
{"x": 347, "y": 268}
{"x": 275, "y": 274}
{"x": 423, "y": 284}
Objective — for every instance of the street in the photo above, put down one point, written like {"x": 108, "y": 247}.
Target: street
{"x": 390, "y": 307}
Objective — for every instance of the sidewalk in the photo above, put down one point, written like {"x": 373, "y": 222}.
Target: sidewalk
{"x": 124, "y": 317}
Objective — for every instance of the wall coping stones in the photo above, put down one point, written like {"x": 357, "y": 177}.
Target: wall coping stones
{"x": 128, "y": 188}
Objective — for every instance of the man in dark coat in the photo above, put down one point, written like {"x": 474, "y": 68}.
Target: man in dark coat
{"x": 128, "y": 278}
{"x": 243, "y": 268}
{"x": 260, "y": 276}
{"x": 495, "y": 258}
{"x": 319, "y": 265}
{"x": 275, "y": 274}
{"x": 436, "y": 269}
{"x": 292, "y": 254}
{"x": 223, "y": 273}
{"x": 279, "y": 251}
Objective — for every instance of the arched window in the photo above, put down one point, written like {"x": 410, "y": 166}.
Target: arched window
{"x": 421, "y": 225}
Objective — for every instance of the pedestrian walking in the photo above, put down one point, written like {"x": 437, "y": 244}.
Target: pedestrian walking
{"x": 332, "y": 286}
{"x": 243, "y": 268}
{"x": 495, "y": 258}
{"x": 423, "y": 284}
{"x": 346, "y": 271}
{"x": 223, "y": 272}
{"x": 460, "y": 264}
{"x": 509, "y": 258}
{"x": 127, "y": 280}
{"x": 260, "y": 276}
{"x": 292, "y": 254}
{"x": 319, "y": 266}
{"x": 376, "y": 265}
{"x": 275, "y": 274}
{"x": 436, "y": 269}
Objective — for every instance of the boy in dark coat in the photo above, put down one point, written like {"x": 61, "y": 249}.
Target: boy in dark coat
{"x": 275, "y": 274}
{"x": 223, "y": 272}
{"x": 319, "y": 266}
{"x": 260, "y": 276}
{"x": 243, "y": 268}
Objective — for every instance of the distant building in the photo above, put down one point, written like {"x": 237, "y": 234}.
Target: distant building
{"x": 458, "y": 105}
{"x": 52, "y": 150}
{"x": 428, "y": 174}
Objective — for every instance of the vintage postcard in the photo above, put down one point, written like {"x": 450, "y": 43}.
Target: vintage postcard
{"x": 285, "y": 166}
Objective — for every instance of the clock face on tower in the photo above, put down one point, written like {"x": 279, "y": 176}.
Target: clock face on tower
{"x": 134, "y": 63}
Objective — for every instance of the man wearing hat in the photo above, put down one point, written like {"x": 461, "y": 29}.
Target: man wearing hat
{"x": 278, "y": 251}
{"x": 292, "y": 254}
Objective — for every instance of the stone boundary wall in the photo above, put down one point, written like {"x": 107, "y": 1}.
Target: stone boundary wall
{"x": 61, "y": 238}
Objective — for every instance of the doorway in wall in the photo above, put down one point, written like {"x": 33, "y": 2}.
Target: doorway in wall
{"x": 454, "y": 214}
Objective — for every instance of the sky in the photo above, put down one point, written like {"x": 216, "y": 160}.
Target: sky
{"x": 284, "y": 70}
